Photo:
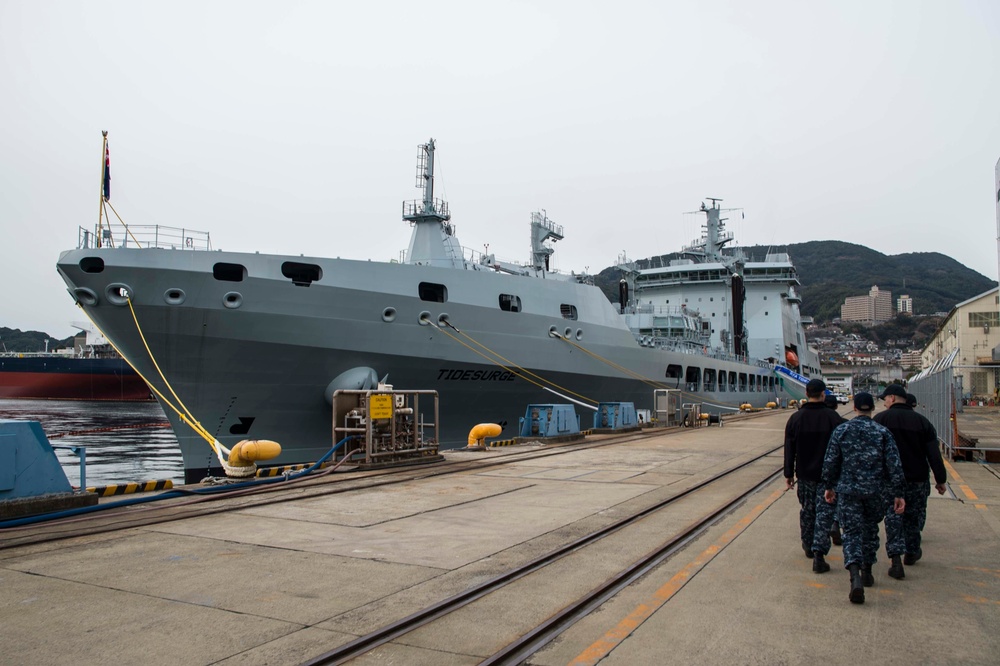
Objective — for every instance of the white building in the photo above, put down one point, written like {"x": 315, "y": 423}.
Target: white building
{"x": 973, "y": 328}
{"x": 874, "y": 308}
{"x": 904, "y": 304}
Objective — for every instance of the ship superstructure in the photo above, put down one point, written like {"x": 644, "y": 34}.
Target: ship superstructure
{"x": 744, "y": 308}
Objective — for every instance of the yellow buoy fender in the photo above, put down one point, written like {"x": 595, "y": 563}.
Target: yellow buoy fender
{"x": 482, "y": 431}
{"x": 248, "y": 451}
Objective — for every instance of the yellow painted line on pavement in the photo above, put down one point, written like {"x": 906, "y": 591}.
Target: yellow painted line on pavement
{"x": 995, "y": 572}
{"x": 969, "y": 495}
{"x": 963, "y": 486}
{"x": 601, "y": 648}
{"x": 979, "y": 600}
{"x": 952, "y": 473}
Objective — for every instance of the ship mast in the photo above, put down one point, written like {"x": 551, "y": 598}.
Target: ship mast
{"x": 543, "y": 229}
{"x": 714, "y": 237}
{"x": 433, "y": 239}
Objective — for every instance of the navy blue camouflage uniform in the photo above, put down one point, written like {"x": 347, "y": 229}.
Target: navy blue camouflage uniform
{"x": 917, "y": 442}
{"x": 806, "y": 434}
{"x": 862, "y": 466}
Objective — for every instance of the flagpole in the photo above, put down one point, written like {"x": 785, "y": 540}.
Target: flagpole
{"x": 100, "y": 190}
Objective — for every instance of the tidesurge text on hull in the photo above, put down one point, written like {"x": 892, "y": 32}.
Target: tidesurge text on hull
{"x": 255, "y": 345}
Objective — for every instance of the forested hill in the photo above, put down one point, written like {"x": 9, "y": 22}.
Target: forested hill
{"x": 16, "y": 340}
{"x": 830, "y": 271}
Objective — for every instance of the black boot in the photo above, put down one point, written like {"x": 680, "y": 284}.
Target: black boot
{"x": 857, "y": 595}
{"x": 867, "y": 579}
{"x": 808, "y": 551}
{"x": 896, "y": 570}
{"x": 910, "y": 559}
{"x": 819, "y": 564}
{"x": 835, "y": 535}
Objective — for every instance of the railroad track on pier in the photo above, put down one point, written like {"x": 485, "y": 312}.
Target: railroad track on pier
{"x": 202, "y": 502}
{"x": 530, "y": 638}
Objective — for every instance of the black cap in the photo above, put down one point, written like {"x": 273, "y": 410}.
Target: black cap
{"x": 911, "y": 400}
{"x": 815, "y": 387}
{"x": 831, "y": 401}
{"x": 893, "y": 389}
{"x": 864, "y": 401}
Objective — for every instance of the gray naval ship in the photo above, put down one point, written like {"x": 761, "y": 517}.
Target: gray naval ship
{"x": 254, "y": 345}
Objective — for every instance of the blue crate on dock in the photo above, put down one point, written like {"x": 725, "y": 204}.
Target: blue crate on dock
{"x": 615, "y": 415}
{"x": 550, "y": 421}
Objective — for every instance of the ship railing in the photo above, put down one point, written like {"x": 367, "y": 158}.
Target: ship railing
{"x": 649, "y": 308}
{"x": 145, "y": 236}
{"x": 414, "y": 210}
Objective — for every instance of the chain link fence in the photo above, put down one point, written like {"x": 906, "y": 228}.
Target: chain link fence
{"x": 939, "y": 398}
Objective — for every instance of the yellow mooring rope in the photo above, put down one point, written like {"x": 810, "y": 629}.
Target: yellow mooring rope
{"x": 510, "y": 367}
{"x": 184, "y": 416}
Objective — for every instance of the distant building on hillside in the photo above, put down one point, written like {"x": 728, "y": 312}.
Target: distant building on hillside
{"x": 910, "y": 359}
{"x": 874, "y": 308}
{"x": 904, "y": 304}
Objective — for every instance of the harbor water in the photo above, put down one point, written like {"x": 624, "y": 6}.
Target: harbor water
{"x": 125, "y": 441}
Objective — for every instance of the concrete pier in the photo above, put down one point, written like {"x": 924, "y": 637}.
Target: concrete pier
{"x": 280, "y": 583}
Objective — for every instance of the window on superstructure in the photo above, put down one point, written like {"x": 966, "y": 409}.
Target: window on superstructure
{"x": 673, "y": 371}
{"x": 743, "y": 382}
{"x": 435, "y": 293}
{"x": 693, "y": 378}
{"x": 567, "y": 311}
{"x": 301, "y": 275}
{"x": 229, "y": 272}
{"x": 709, "y": 379}
{"x": 723, "y": 381}
{"x": 510, "y": 303}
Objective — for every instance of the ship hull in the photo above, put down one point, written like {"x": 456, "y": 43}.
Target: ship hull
{"x": 252, "y": 352}
{"x": 56, "y": 378}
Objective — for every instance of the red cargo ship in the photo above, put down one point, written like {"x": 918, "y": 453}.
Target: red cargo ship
{"x": 92, "y": 371}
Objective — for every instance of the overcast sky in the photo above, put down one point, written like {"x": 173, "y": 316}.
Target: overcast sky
{"x": 291, "y": 127}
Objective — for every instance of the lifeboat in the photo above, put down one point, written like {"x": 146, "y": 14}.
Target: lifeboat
{"x": 792, "y": 359}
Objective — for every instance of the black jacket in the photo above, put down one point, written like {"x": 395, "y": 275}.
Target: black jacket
{"x": 806, "y": 435}
{"x": 917, "y": 442}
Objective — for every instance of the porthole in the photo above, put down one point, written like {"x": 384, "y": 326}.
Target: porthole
{"x": 118, "y": 293}
{"x": 174, "y": 296}
{"x": 424, "y": 318}
{"x": 568, "y": 333}
{"x": 389, "y": 314}
{"x": 443, "y": 319}
{"x": 85, "y": 296}
{"x": 553, "y": 332}
{"x": 232, "y": 300}
{"x": 579, "y": 334}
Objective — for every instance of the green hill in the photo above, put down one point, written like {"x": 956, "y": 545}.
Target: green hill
{"x": 14, "y": 340}
{"x": 830, "y": 271}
